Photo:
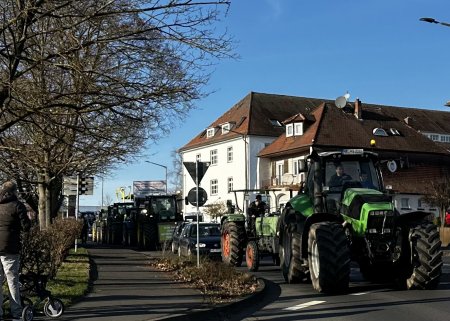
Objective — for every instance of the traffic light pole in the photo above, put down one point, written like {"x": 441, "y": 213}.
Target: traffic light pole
{"x": 77, "y": 205}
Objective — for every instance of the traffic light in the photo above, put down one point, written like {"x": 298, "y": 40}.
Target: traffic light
{"x": 85, "y": 185}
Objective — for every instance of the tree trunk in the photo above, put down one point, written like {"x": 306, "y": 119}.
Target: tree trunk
{"x": 42, "y": 201}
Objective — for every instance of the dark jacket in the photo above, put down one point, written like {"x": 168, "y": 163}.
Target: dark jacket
{"x": 13, "y": 220}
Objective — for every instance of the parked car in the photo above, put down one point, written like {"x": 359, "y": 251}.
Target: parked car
{"x": 209, "y": 240}
{"x": 176, "y": 236}
{"x": 447, "y": 217}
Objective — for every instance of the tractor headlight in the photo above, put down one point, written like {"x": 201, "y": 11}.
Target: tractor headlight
{"x": 381, "y": 213}
{"x": 200, "y": 245}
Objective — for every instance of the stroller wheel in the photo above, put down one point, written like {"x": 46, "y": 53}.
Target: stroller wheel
{"x": 53, "y": 308}
{"x": 27, "y": 313}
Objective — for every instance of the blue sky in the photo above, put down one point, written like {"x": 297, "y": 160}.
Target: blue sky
{"x": 378, "y": 51}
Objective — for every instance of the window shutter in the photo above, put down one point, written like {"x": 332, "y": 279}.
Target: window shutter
{"x": 274, "y": 169}
{"x": 286, "y": 166}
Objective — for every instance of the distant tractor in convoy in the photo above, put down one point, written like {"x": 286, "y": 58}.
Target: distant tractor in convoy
{"x": 253, "y": 235}
{"x": 339, "y": 216}
{"x": 156, "y": 219}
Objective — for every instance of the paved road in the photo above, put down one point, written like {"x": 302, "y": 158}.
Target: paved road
{"x": 364, "y": 302}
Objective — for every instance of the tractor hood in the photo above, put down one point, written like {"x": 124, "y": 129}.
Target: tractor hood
{"x": 355, "y": 198}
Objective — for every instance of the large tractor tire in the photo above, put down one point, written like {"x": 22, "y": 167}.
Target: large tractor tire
{"x": 329, "y": 257}
{"x": 232, "y": 241}
{"x": 423, "y": 257}
{"x": 252, "y": 256}
{"x": 150, "y": 236}
{"x": 290, "y": 261}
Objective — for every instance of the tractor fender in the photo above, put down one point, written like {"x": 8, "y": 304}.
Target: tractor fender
{"x": 232, "y": 218}
{"x": 316, "y": 218}
{"x": 407, "y": 218}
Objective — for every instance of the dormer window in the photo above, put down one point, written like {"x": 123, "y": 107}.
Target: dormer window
{"x": 226, "y": 128}
{"x": 289, "y": 130}
{"x": 298, "y": 129}
{"x": 379, "y": 132}
{"x": 210, "y": 132}
{"x": 294, "y": 129}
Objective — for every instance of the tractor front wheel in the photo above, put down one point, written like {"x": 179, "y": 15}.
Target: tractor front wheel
{"x": 252, "y": 256}
{"x": 232, "y": 241}
{"x": 422, "y": 257}
{"x": 329, "y": 257}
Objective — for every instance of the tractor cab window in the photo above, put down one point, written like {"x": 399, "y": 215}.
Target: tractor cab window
{"x": 360, "y": 174}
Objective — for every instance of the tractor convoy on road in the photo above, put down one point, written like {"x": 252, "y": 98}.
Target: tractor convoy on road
{"x": 341, "y": 213}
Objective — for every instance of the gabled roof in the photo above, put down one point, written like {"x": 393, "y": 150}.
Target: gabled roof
{"x": 255, "y": 115}
{"x": 328, "y": 126}
{"x": 339, "y": 128}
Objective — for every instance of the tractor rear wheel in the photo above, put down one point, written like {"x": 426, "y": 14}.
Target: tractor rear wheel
{"x": 422, "y": 257}
{"x": 232, "y": 241}
{"x": 329, "y": 257}
{"x": 252, "y": 256}
{"x": 290, "y": 261}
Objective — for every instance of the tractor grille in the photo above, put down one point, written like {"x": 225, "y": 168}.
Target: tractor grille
{"x": 381, "y": 222}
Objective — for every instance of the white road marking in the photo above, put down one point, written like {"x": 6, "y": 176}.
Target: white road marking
{"x": 304, "y": 305}
{"x": 368, "y": 292}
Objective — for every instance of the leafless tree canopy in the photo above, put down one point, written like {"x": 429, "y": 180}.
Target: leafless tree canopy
{"x": 85, "y": 83}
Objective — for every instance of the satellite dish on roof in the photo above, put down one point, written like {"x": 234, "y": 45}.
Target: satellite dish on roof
{"x": 340, "y": 102}
{"x": 347, "y": 95}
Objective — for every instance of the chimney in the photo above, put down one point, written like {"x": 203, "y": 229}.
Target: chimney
{"x": 358, "y": 109}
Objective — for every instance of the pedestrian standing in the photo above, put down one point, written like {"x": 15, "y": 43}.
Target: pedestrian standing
{"x": 13, "y": 220}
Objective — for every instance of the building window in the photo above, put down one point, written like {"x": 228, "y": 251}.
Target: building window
{"x": 210, "y": 132}
{"x": 225, "y": 128}
{"x": 230, "y": 184}
{"x": 405, "y": 203}
{"x": 198, "y": 157}
{"x": 298, "y": 129}
{"x": 213, "y": 157}
{"x": 230, "y": 154}
{"x": 289, "y": 130}
{"x": 379, "y": 132}
{"x": 434, "y": 137}
{"x": 280, "y": 171}
{"x": 275, "y": 123}
{"x": 214, "y": 187}
{"x": 420, "y": 204}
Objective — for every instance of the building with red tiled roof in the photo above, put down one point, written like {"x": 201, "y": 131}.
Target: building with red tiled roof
{"x": 262, "y": 140}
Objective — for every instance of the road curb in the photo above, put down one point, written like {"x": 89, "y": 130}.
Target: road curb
{"x": 223, "y": 311}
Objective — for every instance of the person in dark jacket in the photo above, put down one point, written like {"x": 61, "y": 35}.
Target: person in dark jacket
{"x": 13, "y": 220}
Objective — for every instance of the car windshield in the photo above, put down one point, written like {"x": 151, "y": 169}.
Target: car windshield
{"x": 206, "y": 230}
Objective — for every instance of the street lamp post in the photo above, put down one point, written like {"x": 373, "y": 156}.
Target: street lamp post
{"x": 165, "y": 167}
{"x": 432, "y": 20}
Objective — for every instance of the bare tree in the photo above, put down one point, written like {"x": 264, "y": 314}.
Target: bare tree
{"x": 176, "y": 174}
{"x": 83, "y": 84}
{"x": 438, "y": 194}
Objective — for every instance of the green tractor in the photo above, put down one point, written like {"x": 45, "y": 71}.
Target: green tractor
{"x": 157, "y": 216}
{"x": 251, "y": 234}
{"x": 337, "y": 217}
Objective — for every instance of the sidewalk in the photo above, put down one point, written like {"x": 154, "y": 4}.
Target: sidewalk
{"x": 127, "y": 287}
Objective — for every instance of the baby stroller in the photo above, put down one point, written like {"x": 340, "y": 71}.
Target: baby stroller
{"x": 34, "y": 285}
